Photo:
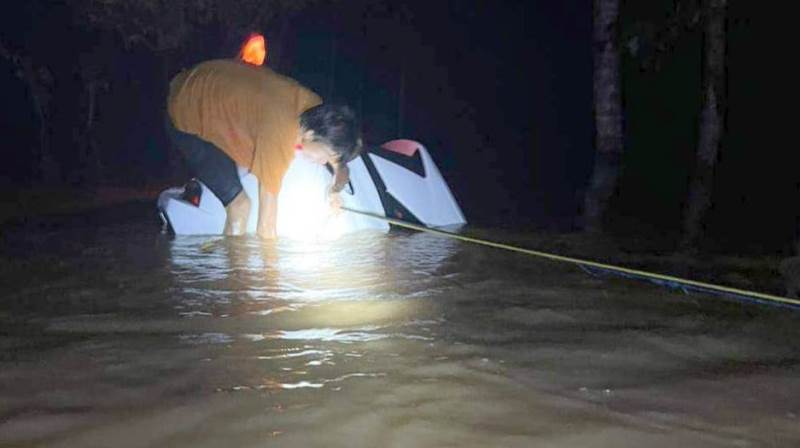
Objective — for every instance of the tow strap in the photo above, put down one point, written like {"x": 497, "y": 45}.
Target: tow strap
{"x": 596, "y": 268}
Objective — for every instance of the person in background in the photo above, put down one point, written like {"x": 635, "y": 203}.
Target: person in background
{"x": 228, "y": 114}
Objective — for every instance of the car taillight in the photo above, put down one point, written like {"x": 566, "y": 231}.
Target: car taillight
{"x": 192, "y": 192}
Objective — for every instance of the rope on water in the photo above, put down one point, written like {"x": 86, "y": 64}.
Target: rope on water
{"x": 666, "y": 280}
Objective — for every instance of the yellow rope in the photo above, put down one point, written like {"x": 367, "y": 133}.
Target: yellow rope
{"x": 652, "y": 275}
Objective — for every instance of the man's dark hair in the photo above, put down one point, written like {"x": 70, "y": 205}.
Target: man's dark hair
{"x": 335, "y": 125}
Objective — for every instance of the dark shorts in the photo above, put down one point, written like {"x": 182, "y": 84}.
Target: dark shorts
{"x": 208, "y": 163}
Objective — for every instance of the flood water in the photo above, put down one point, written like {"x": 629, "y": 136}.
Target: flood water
{"x": 112, "y": 334}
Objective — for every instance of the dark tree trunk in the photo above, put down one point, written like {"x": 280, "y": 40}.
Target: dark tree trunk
{"x": 401, "y": 99}
{"x": 607, "y": 114}
{"x": 712, "y": 118}
{"x": 362, "y": 73}
{"x": 797, "y": 235}
{"x": 91, "y": 168}
{"x": 332, "y": 77}
{"x": 177, "y": 170}
{"x": 278, "y": 46}
{"x": 45, "y": 165}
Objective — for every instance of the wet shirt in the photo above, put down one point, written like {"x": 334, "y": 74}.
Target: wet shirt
{"x": 251, "y": 113}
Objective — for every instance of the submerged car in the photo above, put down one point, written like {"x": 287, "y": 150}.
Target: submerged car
{"x": 398, "y": 179}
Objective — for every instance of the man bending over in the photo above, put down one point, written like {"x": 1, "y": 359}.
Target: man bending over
{"x": 224, "y": 114}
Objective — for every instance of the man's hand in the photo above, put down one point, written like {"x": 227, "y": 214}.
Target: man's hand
{"x": 335, "y": 203}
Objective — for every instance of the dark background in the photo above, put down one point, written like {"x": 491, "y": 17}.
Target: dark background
{"x": 500, "y": 93}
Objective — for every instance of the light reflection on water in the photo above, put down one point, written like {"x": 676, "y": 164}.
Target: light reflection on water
{"x": 329, "y": 296}
{"x": 371, "y": 340}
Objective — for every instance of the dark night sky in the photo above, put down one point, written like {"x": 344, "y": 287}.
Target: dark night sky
{"x": 500, "y": 93}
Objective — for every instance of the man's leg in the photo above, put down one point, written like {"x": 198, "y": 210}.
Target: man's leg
{"x": 219, "y": 173}
{"x": 238, "y": 212}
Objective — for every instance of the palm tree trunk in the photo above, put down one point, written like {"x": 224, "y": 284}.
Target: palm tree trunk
{"x": 607, "y": 113}
{"x": 712, "y": 117}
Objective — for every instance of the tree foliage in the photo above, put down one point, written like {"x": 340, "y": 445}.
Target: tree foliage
{"x": 651, "y": 39}
{"x": 169, "y": 24}
{"x": 168, "y": 29}
{"x": 39, "y": 80}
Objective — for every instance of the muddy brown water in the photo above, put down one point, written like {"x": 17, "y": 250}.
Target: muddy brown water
{"x": 112, "y": 334}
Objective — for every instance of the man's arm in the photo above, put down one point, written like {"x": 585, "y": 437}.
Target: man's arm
{"x": 267, "y": 214}
{"x": 341, "y": 176}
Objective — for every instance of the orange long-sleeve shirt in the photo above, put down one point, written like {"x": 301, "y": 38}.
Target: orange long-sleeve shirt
{"x": 249, "y": 112}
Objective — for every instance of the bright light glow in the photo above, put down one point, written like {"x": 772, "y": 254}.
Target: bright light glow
{"x": 303, "y": 210}
{"x": 254, "y": 51}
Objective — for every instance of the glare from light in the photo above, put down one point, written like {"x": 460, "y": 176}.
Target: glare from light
{"x": 304, "y": 213}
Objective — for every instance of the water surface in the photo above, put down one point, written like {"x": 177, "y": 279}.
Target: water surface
{"x": 112, "y": 334}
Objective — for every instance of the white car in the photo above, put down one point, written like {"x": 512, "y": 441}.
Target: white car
{"x": 398, "y": 179}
